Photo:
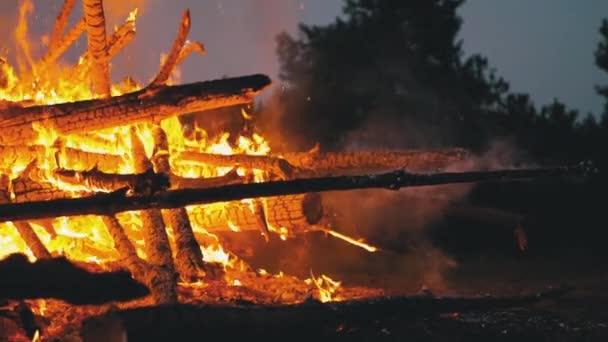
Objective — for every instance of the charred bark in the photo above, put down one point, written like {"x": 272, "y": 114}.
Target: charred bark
{"x": 146, "y": 105}
{"x": 97, "y": 46}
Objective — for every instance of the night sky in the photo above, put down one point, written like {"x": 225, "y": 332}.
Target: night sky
{"x": 542, "y": 47}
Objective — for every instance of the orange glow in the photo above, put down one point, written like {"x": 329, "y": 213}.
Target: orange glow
{"x": 85, "y": 239}
{"x": 358, "y": 243}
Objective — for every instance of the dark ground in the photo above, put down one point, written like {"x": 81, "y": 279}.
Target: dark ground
{"x": 566, "y": 227}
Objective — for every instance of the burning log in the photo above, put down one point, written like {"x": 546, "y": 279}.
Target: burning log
{"x": 188, "y": 256}
{"x": 119, "y": 201}
{"x": 119, "y": 39}
{"x": 156, "y": 242}
{"x": 58, "y": 278}
{"x": 96, "y": 34}
{"x": 315, "y": 164}
{"x": 146, "y": 105}
{"x": 275, "y": 321}
{"x": 60, "y": 23}
{"x": 273, "y": 165}
{"x": 174, "y": 54}
{"x": 32, "y": 240}
{"x": 295, "y": 213}
{"x": 25, "y": 230}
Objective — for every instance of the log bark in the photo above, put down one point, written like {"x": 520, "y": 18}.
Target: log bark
{"x": 97, "y": 46}
{"x": 176, "y": 49}
{"x": 146, "y": 105}
{"x": 61, "y": 22}
{"x": 188, "y": 256}
{"x": 156, "y": 242}
{"x": 119, "y": 201}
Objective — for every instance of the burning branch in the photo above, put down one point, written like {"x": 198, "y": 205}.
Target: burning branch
{"x": 317, "y": 163}
{"x": 61, "y": 22}
{"x": 96, "y": 34}
{"x": 62, "y": 46}
{"x": 188, "y": 49}
{"x": 273, "y": 165}
{"x": 10, "y": 156}
{"x": 146, "y": 105}
{"x": 174, "y": 54}
{"x": 118, "y": 201}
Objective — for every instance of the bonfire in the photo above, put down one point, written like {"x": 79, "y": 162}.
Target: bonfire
{"x": 104, "y": 176}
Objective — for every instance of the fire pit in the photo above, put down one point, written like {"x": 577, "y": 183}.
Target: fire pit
{"x": 99, "y": 179}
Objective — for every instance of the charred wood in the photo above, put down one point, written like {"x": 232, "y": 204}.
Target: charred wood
{"x": 97, "y": 46}
{"x": 58, "y": 278}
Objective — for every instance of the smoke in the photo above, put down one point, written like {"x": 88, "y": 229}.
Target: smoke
{"x": 399, "y": 221}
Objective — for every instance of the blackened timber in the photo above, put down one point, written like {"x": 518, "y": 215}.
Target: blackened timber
{"x": 59, "y": 278}
{"x": 146, "y": 105}
{"x": 119, "y": 201}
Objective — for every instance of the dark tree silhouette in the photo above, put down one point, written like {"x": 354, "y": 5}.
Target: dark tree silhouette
{"x": 390, "y": 63}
